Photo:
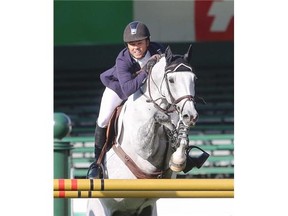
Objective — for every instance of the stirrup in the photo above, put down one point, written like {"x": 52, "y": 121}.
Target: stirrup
{"x": 196, "y": 161}
{"x": 95, "y": 171}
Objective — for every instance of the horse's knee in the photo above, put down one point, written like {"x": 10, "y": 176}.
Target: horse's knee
{"x": 164, "y": 119}
{"x": 161, "y": 117}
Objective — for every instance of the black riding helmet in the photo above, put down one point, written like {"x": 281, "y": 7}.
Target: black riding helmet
{"x": 135, "y": 31}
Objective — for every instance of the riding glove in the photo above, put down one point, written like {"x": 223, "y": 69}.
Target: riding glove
{"x": 151, "y": 62}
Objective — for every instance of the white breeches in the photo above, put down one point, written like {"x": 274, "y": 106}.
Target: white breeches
{"x": 110, "y": 100}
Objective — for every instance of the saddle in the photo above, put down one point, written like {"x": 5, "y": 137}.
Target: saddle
{"x": 111, "y": 132}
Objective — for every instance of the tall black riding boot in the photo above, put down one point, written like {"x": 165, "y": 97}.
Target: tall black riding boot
{"x": 100, "y": 138}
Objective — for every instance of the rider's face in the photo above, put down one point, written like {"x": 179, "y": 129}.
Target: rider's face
{"x": 138, "y": 48}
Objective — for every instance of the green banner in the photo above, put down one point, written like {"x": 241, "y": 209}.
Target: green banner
{"x": 90, "y": 22}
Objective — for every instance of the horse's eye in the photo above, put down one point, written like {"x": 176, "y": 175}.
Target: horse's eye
{"x": 171, "y": 80}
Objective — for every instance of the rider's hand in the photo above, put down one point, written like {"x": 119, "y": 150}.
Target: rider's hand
{"x": 151, "y": 62}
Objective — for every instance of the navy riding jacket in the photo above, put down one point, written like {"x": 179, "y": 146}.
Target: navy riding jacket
{"x": 121, "y": 77}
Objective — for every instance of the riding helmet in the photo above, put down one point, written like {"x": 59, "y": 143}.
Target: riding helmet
{"x": 135, "y": 31}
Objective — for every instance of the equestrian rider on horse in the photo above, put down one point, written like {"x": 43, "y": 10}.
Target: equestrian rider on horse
{"x": 122, "y": 80}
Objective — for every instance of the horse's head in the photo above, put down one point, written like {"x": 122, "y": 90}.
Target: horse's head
{"x": 178, "y": 85}
{"x": 171, "y": 87}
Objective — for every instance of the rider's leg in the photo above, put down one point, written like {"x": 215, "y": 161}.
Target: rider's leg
{"x": 110, "y": 100}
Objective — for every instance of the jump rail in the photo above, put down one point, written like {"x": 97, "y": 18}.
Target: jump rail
{"x": 143, "y": 184}
{"x": 150, "y": 188}
{"x": 143, "y": 194}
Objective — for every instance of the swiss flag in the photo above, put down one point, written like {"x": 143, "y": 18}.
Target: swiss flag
{"x": 214, "y": 20}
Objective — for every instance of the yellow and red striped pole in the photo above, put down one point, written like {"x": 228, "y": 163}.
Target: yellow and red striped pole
{"x": 143, "y": 184}
{"x": 143, "y": 194}
{"x": 149, "y": 188}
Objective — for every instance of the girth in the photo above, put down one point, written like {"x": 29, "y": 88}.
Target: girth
{"x": 133, "y": 166}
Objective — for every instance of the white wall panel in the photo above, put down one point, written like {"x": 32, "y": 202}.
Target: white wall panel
{"x": 168, "y": 21}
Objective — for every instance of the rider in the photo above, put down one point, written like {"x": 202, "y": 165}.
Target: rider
{"x": 130, "y": 71}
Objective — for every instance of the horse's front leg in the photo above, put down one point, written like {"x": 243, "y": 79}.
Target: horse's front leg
{"x": 178, "y": 158}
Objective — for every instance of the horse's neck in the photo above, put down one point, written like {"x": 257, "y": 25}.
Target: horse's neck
{"x": 146, "y": 136}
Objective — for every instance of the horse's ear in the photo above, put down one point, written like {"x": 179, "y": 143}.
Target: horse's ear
{"x": 168, "y": 55}
{"x": 188, "y": 55}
